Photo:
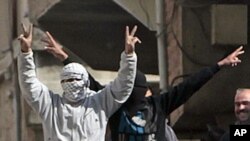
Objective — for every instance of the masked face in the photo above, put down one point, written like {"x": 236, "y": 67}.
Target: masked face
{"x": 73, "y": 91}
{"x": 74, "y": 82}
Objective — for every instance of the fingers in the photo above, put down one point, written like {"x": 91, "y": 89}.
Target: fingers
{"x": 30, "y": 29}
{"x": 133, "y": 30}
{"x": 21, "y": 37}
{"x": 50, "y": 37}
{"x": 239, "y": 51}
{"x": 23, "y": 28}
{"x": 130, "y": 40}
{"x": 48, "y": 48}
{"x": 131, "y": 35}
{"x": 136, "y": 40}
{"x": 27, "y": 33}
{"x": 235, "y": 62}
{"x": 127, "y": 32}
{"x": 50, "y": 40}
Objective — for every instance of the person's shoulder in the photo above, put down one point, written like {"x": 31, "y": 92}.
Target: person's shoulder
{"x": 56, "y": 98}
{"x": 92, "y": 93}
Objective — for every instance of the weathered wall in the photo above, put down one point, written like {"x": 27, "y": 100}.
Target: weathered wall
{"x": 39, "y": 7}
{"x": 174, "y": 37}
{"x": 9, "y": 28}
{"x": 213, "y": 103}
{"x": 7, "y": 112}
{"x": 197, "y": 42}
{"x": 192, "y": 27}
{"x": 7, "y": 115}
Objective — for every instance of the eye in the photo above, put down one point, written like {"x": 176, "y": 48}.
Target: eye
{"x": 242, "y": 103}
{"x": 70, "y": 80}
{"x": 246, "y": 102}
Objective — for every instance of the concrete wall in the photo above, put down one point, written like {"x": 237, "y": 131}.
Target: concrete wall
{"x": 174, "y": 55}
{"x": 7, "y": 111}
{"x": 213, "y": 103}
{"x": 14, "y": 125}
{"x": 197, "y": 43}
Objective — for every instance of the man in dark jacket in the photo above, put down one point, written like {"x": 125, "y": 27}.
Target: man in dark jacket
{"x": 143, "y": 116}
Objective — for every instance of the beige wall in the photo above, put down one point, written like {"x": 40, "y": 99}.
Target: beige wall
{"x": 8, "y": 80}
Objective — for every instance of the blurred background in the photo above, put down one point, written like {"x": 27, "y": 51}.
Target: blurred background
{"x": 179, "y": 37}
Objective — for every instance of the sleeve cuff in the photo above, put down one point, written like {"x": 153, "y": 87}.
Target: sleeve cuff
{"x": 215, "y": 68}
{"x": 24, "y": 54}
{"x": 67, "y": 61}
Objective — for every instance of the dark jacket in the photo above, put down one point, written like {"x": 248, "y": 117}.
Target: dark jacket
{"x": 156, "y": 108}
{"x": 225, "y": 137}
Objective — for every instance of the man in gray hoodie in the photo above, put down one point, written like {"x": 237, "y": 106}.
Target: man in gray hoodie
{"x": 79, "y": 114}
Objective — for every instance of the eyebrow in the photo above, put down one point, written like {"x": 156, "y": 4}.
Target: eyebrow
{"x": 242, "y": 102}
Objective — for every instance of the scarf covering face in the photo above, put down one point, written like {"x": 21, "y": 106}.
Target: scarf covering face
{"x": 137, "y": 98}
{"x": 76, "y": 90}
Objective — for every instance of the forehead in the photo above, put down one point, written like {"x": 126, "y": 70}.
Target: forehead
{"x": 243, "y": 95}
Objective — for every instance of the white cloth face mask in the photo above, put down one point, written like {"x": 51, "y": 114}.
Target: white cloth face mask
{"x": 74, "y": 91}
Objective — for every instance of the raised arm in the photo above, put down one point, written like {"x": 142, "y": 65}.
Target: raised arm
{"x": 35, "y": 93}
{"x": 118, "y": 91}
{"x": 182, "y": 92}
{"x": 57, "y": 51}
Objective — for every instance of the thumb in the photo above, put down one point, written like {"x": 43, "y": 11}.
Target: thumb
{"x": 49, "y": 49}
{"x": 21, "y": 37}
{"x": 137, "y": 40}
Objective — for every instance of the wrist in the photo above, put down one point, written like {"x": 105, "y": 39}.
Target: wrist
{"x": 25, "y": 50}
{"x": 220, "y": 63}
{"x": 63, "y": 57}
{"x": 129, "y": 54}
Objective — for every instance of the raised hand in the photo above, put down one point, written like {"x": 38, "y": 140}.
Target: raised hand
{"x": 26, "y": 38}
{"x": 232, "y": 59}
{"x": 54, "y": 48}
{"x": 130, "y": 40}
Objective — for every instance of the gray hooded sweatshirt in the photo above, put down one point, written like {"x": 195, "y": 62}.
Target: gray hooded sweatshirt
{"x": 82, "y": 121}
